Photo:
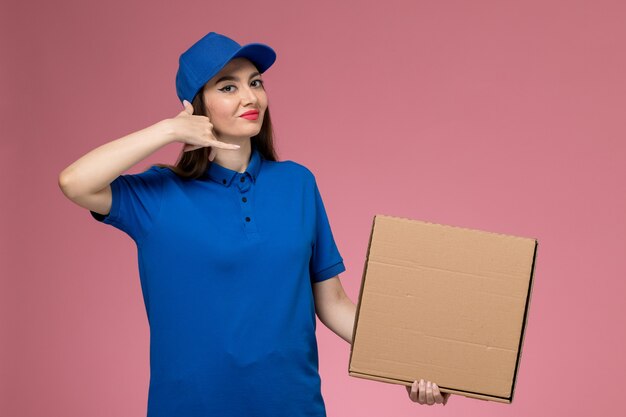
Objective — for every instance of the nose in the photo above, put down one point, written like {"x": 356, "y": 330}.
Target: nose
{"x": 248, "y": 95}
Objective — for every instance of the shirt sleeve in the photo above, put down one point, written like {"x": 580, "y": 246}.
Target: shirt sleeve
{"x": 136, "y": 201}
{"x": 326, "y": 261}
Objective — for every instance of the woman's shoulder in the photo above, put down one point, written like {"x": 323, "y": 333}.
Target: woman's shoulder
{"x": 162, "y": 170}
{"x": 155, "y": 174}
{"x": 294, "y": 168}
{"x": 154, "y": 171}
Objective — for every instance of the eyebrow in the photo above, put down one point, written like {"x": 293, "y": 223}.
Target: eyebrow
{"x": 231, "y": 78}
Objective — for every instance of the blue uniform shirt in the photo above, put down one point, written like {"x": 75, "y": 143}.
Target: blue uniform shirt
{"x": 227, "y": 263}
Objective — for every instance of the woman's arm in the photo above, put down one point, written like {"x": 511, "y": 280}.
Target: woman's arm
{"x": 98, "y": 168}
{"x": 87, "y": 181}
{"x": 334, "y": 308}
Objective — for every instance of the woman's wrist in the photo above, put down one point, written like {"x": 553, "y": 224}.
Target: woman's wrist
{"x": 166, "y": 130}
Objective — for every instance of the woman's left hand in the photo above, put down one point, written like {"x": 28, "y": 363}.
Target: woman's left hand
{"x": 426, "y": 392}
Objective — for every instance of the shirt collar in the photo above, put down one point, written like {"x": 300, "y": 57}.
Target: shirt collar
{"x": 225, "y": 176}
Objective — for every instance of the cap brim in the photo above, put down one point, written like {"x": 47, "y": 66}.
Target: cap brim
{"x": 260, "y": 54}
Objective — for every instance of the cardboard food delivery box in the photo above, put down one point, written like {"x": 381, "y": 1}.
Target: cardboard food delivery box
{"x": 443, "y": 303}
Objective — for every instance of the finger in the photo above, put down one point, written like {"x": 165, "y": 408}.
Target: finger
{"x": 430, "y": 400}
{"x": 188, "y": 107}
{"x": 422, "y": 392}
{"x": 437, "y": 394}
{"x": 413, "y": 393}
{"x": 212, "y": 154}
{"x": 223, "y": 145}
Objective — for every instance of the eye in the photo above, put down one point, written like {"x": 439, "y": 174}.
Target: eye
{"x": 224, "y": 88}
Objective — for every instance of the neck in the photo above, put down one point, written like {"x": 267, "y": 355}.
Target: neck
{"x": 234, "y": 159}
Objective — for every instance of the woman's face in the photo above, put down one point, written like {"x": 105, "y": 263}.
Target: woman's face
{"x": 227, "y": 99}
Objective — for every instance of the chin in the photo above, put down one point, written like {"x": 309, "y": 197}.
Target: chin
{"x": 253, "y": 131}
{"x": 245, "y": 134}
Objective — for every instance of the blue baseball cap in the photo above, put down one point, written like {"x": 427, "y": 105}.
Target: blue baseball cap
{"x": 205, "y": 58}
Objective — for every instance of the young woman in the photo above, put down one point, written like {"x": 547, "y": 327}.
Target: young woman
{"x": 236, "y": 254}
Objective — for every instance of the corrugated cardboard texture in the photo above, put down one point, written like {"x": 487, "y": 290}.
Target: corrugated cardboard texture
{"x": 443, "y": 303}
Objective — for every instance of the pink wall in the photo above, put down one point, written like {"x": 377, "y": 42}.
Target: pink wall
{"x": 502, "y": 116}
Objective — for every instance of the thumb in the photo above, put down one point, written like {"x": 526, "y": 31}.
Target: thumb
{"x": 188, "y": 107}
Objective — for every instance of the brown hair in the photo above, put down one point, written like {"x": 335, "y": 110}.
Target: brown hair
{"x": 192, "y": 164}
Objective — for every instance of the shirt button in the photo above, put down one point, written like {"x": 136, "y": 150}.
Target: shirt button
{"x": 247, "y": 219}
{"x": 242, "y": 179}
{"x": 244, "y": 199}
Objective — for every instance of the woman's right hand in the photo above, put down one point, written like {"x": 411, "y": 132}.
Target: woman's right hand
{"x": 426, "y": 392}
{"x": 196, "y": 131}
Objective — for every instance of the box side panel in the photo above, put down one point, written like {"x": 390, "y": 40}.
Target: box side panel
{"x": 358, "y": 304}
{"x": 521, "y": 342}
